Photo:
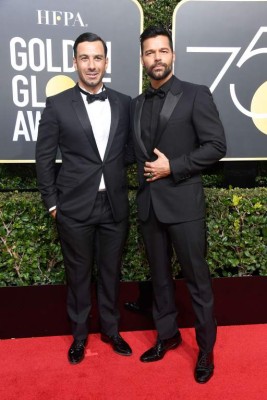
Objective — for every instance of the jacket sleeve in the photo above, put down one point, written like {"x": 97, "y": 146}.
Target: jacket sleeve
{"x": 46, "y": 152}
{"x": 210, "y": 134}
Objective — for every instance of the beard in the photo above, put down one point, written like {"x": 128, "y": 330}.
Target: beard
{"x": 158, "y": 76}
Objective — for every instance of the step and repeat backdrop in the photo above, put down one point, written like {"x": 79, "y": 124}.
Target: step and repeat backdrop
{"x": 220, "y": 43}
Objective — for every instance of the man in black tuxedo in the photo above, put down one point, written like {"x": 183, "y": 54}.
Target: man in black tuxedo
{"x": 177, "y": 133}
{"x": 88, "y": 198}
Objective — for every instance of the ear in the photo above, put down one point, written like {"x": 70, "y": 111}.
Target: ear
{"x": 106, "y": 63}
{"x": 75, "y": 63}
{"x": 142, "y": 61}
{"x": 173, "y": 56}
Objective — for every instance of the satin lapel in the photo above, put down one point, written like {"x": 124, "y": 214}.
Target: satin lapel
{"x": 81, "y": 113}
{"x": 114, "y": 108}
{"x": 169, "y": 105}
{"x": 137, "y": 123}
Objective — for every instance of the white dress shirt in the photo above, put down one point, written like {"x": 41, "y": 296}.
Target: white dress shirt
{"x": 99, "y": 114}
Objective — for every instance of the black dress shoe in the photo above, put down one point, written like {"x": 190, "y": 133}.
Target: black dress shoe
{"x": 133, "y": 306}
{"x": 136, "y": 307}
{"x": 204, "y": 367}
{"x": 157, "y": 352}
{"x": 118, "y": 344}
{"x": 76, "y": 351}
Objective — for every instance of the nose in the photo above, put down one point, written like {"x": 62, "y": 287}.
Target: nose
{"x": 91, "y": 64}
{"x": 157, "y": 56}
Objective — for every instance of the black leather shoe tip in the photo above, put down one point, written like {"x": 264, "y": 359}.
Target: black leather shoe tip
{"x": 133, "y": 306}
{"x": 118, "y": 344}
{"x": 158, "y": 351}
{"x": 204, "y": 367}
{"x": 76, "y": 351}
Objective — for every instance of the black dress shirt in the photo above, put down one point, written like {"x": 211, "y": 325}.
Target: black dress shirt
{"x": 150, "y": 116}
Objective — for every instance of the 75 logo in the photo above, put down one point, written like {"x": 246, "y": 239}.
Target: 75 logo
{"x": 258, "y": 110}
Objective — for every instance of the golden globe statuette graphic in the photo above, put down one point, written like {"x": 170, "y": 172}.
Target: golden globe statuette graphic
{"x": 259, "y": 107}
{"x": 58, "y": 84}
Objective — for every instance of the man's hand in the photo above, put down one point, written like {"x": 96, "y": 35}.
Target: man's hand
{"x": 157, "y": 169}
{"x": 53, "y": 213}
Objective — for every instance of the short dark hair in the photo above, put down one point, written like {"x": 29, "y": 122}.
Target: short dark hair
{"x": 153, "y": 31}
{"x": 88, "y": 37}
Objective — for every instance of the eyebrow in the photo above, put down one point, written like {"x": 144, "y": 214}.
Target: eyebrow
{"x": 94, "y": 55}
{"x": 162, "y": 48}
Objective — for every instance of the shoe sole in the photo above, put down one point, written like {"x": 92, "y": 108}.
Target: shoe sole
{"x": 123, "y": 354}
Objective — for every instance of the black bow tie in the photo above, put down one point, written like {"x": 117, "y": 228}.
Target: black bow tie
{"x": 150, "y": 92}
{"x": 102, "y": 96}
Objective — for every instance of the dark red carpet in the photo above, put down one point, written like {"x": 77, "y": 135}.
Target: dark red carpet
{"x": 37, "y": 369}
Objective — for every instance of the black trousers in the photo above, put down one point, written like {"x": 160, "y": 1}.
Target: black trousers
{"x": 189, "y": 242}
{"x": 99, "y": 240}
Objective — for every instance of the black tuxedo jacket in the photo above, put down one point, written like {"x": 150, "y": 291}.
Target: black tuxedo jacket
{"x": 191, "y": 136}
{"x": 65, "y": 125}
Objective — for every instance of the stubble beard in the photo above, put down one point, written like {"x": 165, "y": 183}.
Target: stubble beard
{"x": 91, "y": 84}
{"x": 158, "y": 77}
